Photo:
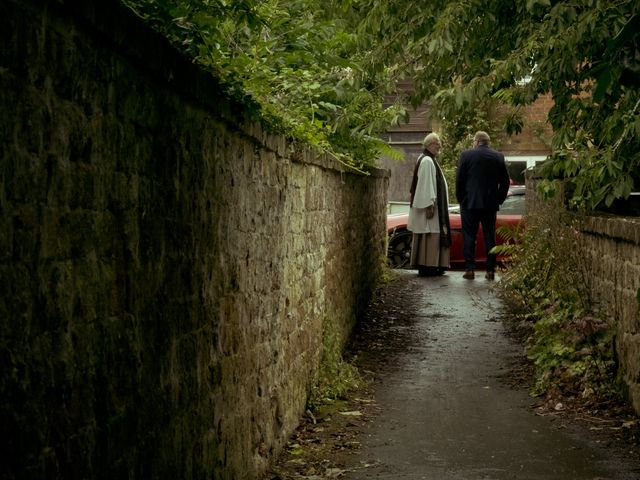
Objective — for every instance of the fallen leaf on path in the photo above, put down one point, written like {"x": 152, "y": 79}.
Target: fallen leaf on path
{"x": 354, "y": 413}
{"x": 334, "y": 472}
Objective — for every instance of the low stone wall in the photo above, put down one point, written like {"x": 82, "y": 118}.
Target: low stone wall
{"x": 167, "y": 268}
{"x": 610, "y": 246}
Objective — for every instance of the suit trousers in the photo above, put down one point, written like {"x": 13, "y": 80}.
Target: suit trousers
{"x": 471, "y": 220}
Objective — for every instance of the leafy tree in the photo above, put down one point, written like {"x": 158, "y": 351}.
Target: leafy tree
{"x": 294, "y": 62}
{"x": 585, "y": 53}
{"x": 318, "y": 70}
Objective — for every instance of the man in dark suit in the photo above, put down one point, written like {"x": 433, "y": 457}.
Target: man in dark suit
{"x": 482, "y": 183}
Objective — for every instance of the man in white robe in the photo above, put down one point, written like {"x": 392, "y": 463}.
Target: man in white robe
{"x": 429, "y": 253}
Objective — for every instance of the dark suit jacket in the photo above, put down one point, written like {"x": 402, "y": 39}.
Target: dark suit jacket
{"x": 482, "y": 180}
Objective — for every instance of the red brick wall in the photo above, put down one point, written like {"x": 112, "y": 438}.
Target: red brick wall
{"x": 536, "y": 134}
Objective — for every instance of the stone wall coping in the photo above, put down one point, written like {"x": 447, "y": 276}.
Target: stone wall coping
{"x": 308, "y": 155}
{"x": 613, "y": 226}
{"x": 116, "y": 25}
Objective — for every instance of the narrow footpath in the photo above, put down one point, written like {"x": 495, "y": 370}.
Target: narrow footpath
{"x": 447, "y": 412}
{"x": 443, "y": 406}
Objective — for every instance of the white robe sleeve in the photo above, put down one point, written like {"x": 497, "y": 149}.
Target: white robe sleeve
{"x": 425, "y": 196}
{"x": 426, "y": 189}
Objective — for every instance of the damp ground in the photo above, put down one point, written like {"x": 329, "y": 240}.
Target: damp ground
{"x": 446, "y": 398}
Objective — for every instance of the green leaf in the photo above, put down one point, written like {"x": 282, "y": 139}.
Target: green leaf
{"x": 531, "y": 4}
{"x": 602, "y": 85}
{"x": 319, "y": 71}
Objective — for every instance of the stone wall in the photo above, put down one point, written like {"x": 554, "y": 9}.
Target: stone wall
{"x": 167, "y": 268}
{"x": 610, "y": 246}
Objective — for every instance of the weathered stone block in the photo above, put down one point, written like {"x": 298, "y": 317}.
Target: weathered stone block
{"x": 611, "y": 250}
{"x": 166, "y": 265}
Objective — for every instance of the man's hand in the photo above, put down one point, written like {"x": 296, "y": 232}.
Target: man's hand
{"x": 431, "y": 211}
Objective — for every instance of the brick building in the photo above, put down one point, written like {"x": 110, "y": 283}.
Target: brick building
{"x": 521, "y": 151}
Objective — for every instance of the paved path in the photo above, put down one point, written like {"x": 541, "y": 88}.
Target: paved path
{"x": 445, "y": 414}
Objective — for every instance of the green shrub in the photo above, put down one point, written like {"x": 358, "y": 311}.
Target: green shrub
{"x": 336, "y": 377}
{"x": 567, "y": 339}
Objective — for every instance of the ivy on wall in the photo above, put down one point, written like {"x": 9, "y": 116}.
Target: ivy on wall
{"x": 295, "y": 64}
{"x": 320, "y": 70}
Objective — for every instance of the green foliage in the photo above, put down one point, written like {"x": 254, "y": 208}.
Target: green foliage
{"x": 318, "y": 71}
{"x": 544, "y": 284}
{"x": 334, "y": 382}
{"x": 336, "y": 377}
{"x": 573, "y": 354}
{"x": 457, "y": 135}
{"x": 295, "y": 64}
{"x": 584, "y": 53}
{"x": 449, "y": 172}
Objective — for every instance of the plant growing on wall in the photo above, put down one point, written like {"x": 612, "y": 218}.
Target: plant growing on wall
{"x": 569, "y": 342}
{"x": 335, "y": 376}
{"x": 295, "y": 64}
{"x": 318, "y": 70}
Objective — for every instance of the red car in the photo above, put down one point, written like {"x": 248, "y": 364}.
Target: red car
{"x": 399, "y": 249}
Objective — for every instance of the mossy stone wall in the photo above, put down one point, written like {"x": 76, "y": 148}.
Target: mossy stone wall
{"x": 166, "y": 266}
{"x": 610, "y": 249}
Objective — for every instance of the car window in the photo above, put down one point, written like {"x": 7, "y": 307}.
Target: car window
{"x": 394, "y": 208}
{"x": 513, "y": 205}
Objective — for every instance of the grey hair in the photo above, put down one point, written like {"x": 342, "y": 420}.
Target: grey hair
{"x": 431, "y": 138}
{"x": 481, "y": 138}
